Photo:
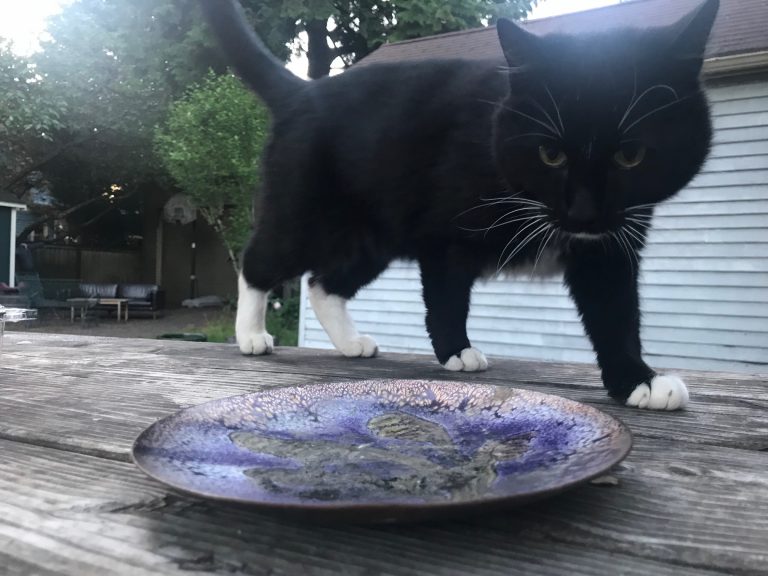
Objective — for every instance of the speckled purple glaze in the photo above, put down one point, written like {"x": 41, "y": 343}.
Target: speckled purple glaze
{"x": 391, "y": 445}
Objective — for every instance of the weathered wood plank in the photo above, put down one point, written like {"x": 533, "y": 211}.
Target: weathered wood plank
{"x": 94, "y": 400}
{"x": 327, "y": 363}
{"x": 63, "y": 513}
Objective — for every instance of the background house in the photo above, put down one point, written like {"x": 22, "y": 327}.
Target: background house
{"x": 704, "y": 283}
{"x": 9, "y": 206}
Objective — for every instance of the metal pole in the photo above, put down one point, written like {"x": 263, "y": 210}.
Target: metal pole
{"x": 193, "y": 266}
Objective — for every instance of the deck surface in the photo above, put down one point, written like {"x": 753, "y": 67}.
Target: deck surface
{"x": 692, "y": 497}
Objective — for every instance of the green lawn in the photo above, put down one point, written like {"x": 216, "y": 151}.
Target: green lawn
{"x": 282, "y": 323}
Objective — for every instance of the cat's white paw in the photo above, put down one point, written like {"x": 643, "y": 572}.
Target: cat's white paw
{"x": 470, "y": 360}
{"x": 255, "y": 343}
{"x": 359, "y": 347}
{"x": 666, "y": 392}
{"x": 250, "y": 332}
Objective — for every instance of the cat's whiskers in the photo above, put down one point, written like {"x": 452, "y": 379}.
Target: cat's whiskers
{"x": 543, "y": 246}
{"x": 636, "y": 234}
{"x": 549, "y": 127}
{"x": 626, "y": 247}
{"x": 512, "y": 200}
{"x": 654, "y": 111}
{"x": 513, "y": 195}
{"x": 547, "y": 116}
{"x": 532, "y": 236}
{"x": 639, "y": 99}
{"x": 502, "y": 222}
{"x": 486, "y": 204}
{"x": 636, "y": 206}
{"x": 543, "y": 226}
{"x": 557, "y": 108}
{"x": 643, "y": 223}
{"x": 490, "y": 202}
{"x": 631, "y": 248}
{"x": 528, "y": 134}
{"x": 515, "y": 211}
{"x": 507, "y": 222}
{"x": 499, "y": 265}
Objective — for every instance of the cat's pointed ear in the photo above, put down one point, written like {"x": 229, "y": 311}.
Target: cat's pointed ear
{"x": 519, "y": 45}
{"x": 692, "y": 31}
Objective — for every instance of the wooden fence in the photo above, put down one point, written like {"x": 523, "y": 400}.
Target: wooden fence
{"x": 87, "y": 264}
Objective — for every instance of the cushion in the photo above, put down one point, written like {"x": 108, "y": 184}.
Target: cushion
{"x": 93, "y": 290}
{"x": 137, "y": 291}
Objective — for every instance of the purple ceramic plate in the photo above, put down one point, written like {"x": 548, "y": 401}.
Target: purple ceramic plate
{"x": 382, "y": 450}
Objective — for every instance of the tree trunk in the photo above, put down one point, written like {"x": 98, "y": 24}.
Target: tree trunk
{"x": 218, "y": 227}
{"x": 319, "y": 54}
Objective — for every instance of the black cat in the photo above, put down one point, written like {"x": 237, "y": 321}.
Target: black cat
{"x": 469, "y": 169}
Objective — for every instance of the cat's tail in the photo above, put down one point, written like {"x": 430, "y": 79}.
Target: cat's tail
{"x": 264, "y": 73}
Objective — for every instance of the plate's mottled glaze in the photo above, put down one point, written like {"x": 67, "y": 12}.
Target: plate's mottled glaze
{"x": 382, "y": 449}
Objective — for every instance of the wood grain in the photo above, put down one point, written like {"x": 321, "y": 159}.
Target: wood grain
{"x": 76, "y": 514}
{"x": 328, "y": 363}
{"x": 115, "y": 388}
{"x": 692, "y": 497}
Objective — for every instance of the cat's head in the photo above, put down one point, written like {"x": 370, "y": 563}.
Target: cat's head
{"x": 596, "y": 125}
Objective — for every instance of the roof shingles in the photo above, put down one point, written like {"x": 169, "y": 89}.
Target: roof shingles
{"x": 741, "y": 28}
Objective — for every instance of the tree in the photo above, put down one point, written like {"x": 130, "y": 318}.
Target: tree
{"x": 114, "y": 68}
{"x": 31, "y": 116}
{"x": 88, "y": 104}
{"x": 351, "y": 29}
{"x": 211, "y": 145}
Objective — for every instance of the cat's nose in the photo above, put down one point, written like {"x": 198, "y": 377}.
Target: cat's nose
{"x": 582, "y": 208}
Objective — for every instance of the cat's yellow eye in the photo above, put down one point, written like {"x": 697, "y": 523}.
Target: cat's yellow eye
{"x": 552, "y": 157}
{"x": 629, "y": 156}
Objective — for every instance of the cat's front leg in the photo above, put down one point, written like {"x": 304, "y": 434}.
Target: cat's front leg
{"x": 603, "y": 285}
{"x": 446, "y": 289}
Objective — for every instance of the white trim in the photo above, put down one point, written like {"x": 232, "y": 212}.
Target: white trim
{"x": 303, "y": 299}
{"x": 12, "y": 270}
{"x": 13, "y": 205}
{"x": 738, "y": 64}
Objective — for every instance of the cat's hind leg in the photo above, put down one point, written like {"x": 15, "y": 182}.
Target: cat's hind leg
{"x": 268, "y": 260}
{"x": 329, "y": 294}
{"x": 331, "y": 311}
{"x": 250, "y": 325}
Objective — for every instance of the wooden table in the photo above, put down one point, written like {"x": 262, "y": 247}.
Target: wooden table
{"x": 692, "y": 498}
{"x": 117, "y": 302}
{"x": 82, "y": 304}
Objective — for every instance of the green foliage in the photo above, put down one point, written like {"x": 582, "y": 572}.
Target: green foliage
{"x": 31, "y": 114}
{"x": 211, "y": 144}
{"x": 219, "y": 330}
{"x": 361, "y": 26}
{"x": 124, "y": 62}
{"x": 119, "y": 65}
{"x": 417, "y": 18}
{"x": 84, "y": 110}
{"x": 282, "y": 323}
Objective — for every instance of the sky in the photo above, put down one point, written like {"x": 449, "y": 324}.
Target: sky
{"x": 23, "y": 21}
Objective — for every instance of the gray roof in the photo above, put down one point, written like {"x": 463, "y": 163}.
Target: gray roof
{"x": 6, "y": 198}
{"x": 741, "y": 28}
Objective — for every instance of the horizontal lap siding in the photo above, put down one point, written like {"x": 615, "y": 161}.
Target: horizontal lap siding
{"x": 704, "y": 280}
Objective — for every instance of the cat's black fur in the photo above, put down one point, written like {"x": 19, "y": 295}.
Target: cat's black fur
{"x": 402, "y": 161}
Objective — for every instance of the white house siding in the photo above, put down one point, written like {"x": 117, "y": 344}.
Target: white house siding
{"x": 704, "y": 277}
